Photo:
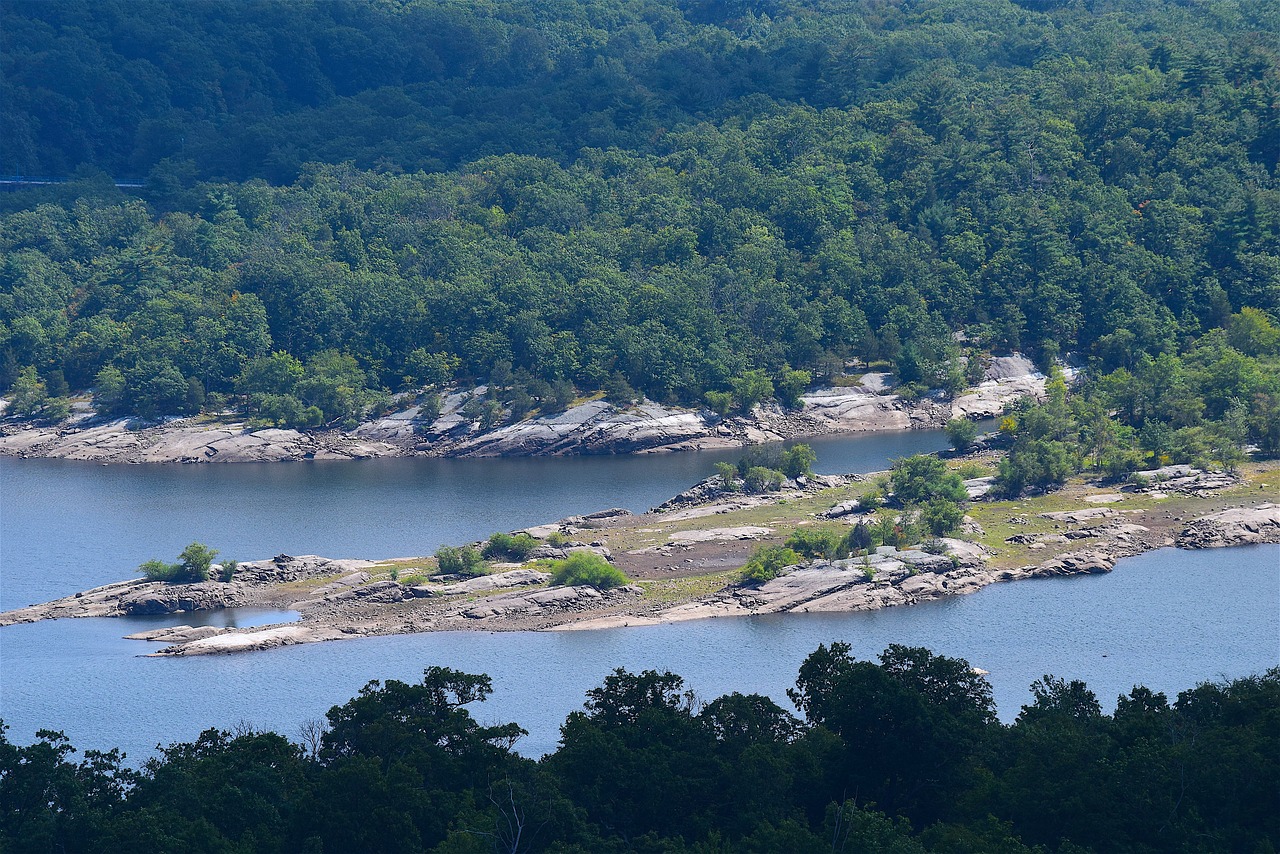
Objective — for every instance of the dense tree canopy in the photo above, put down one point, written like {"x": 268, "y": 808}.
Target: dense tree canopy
{"x": 674, "y": 198}
{"x": 904, "y": 755}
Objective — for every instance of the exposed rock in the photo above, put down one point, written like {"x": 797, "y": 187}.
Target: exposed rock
{"x": 496, "y": 581}
{"x": 979, "y": 487}
{"x": 252, "y": 639}
{"x": 856, "y": 409}
{"x": 746, "y": 532}
{"x": 1076, "y": 563}
{"x": 597, "y": 427}
{"x": 551, "y": 600}
{"x": 1187, "y": 480}
{"x": 1239, "y": 526}
{"x": 171, "y": 598}
{"x": 355, "y": 579}
{"x": 177, "y": 634}
{"x": 1008, "y": 378}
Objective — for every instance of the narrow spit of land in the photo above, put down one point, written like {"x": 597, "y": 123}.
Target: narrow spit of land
{"x": 684, "y": 559}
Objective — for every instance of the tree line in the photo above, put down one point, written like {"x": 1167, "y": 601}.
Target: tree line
{"x": 904, "y": 754}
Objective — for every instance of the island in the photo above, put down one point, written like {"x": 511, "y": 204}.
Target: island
{"x": 683, "y": 560}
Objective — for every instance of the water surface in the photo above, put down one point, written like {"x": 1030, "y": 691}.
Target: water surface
{"x": 66, "y": 526}
{"x": 1168, "y": 619}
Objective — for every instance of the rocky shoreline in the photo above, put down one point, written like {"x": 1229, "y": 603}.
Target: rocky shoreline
{"x": 592, "y": 427}
{"x": 684, "y": 556}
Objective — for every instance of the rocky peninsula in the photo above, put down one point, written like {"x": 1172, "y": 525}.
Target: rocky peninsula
{"x": 683, "y": 559}
{"x": 590, "y": 427}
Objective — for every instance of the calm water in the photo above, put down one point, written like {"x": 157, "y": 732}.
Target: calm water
{"x": 1167, "y": 619}
{"x": 67, "y": 526}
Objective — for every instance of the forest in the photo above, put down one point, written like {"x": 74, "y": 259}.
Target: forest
{"x": 679, "y": 200}
{"x": 904, "y": 755}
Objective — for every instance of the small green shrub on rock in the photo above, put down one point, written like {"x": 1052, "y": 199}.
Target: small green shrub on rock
{"x": 195, "y": 561}
{"x": 587, "y": 568}
{"x": 460, "y": 560}
{"x": 768, "y": 562}
{"x": 824, "y": 542}
{"x": 516, "y": 548}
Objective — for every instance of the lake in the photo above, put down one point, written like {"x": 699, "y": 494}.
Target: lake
{"x": 1167, "y": 619}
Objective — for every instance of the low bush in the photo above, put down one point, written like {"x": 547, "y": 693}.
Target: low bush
{"x": 194, "y": 564}
{"x": 824, "y": 542}
{"x": 516, "y": 548}
{"x": 589, "y": 569}
{"x": 460, "y": 560}
{"x": 768, "y": 562}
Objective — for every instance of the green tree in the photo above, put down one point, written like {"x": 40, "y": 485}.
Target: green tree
{"x": 816, "y": 542}
{"x": 798, "y": 460}
{"x": 27, "y": 395}
{"x": 961, "y": 433}
{"x": 460, "y": 560}
{"x": 751, "y": 388}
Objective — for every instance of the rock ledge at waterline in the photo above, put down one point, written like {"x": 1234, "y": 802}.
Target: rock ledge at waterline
{"x": 594, "y": 427}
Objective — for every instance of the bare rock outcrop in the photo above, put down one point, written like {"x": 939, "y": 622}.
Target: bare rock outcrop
{"x": 596, "y": 427}
{"x": 1235, "y": 527}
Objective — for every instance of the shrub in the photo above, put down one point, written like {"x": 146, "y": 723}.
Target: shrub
{"x": 587, "y": 568}
{"x": 816, "y": 542}
{"x": 797, "y": 461}
{"x": 719, "y": 401}
{"x": 556, "y": 539}
{"x": 517, "y": 548}
{"x": 728, "y": 474}
{"x": 791, "y": 384}
{"x": 228, "y": 570}
{"x": 941, "y": 516}
{"x": 768, "y": 562}
{"x": 460, "y": 560}
{"x": 961, "y": 432}
{"x": 921, "y": 478}
{"x": 861, "y": 537}
{"x": 761, "y": 479}
{"x": 870, "y": 500}
{"x": 158, "y": 570}
{"x": 195, "y": 561}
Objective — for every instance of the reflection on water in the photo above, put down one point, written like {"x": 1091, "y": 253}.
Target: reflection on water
{"x": 222, "y": 618}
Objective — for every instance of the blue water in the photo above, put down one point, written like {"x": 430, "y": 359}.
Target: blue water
{"x": 67, "y": 526}
{"x": 1168, "y": 619}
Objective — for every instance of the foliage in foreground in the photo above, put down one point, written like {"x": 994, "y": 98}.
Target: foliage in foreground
{"x": 646, "y": 766}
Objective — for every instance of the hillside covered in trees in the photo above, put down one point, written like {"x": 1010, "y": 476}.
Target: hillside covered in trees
{"x": 345, "y": 200}
{"x": 903, "y": 756}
